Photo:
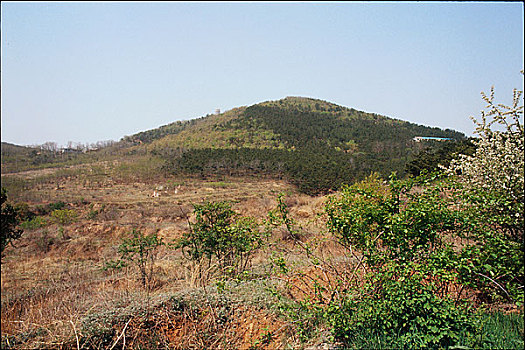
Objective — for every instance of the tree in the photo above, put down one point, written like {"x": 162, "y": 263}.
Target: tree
{"x": 430, "y": 159}
{"x": 9, "y": 222}
{"x": 220, "y": 235}
{"x": 139, "y": 250}
{"x": 496, "y": 168}
{"x": 50, "y": 146}
{"x": 492, "y": 194}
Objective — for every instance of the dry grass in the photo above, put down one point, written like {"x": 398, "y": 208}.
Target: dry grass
{"x": 53, "y": 279}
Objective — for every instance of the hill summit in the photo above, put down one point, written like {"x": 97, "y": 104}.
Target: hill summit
{"x": 315, "y": 144}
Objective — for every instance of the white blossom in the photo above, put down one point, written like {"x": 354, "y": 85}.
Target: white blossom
{"x": 497, "y": 165}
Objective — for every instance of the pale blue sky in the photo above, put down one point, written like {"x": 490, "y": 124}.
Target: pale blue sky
{"x": 86, "y": 72}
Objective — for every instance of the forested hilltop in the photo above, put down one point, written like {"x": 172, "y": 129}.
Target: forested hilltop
{"x": 315, "y": 144}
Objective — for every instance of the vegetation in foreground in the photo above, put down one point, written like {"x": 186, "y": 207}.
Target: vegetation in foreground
{"x": 433, "y": 261}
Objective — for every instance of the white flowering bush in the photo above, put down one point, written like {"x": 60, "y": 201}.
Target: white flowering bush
{"x": 496, "y": 169}
{"x": 491, "y": 184}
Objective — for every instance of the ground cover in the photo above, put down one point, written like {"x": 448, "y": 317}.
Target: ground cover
{"x": 54, "y": 277}
{"x": 57, "y": 291}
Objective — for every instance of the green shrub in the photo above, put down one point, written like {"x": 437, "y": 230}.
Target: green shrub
{"x": 218, "y": 184}
{"x": 281, "y": 216}
{"x": 9, "y": 222}
{"x": 138, "y": 250}
{"x": 56, "y": 206}
{"x": 401, "y": 304}
{"x": 220, "y": 235}
{"x": 392, "y": 222}
{"x": 92, "y": 214}
{"x": 64, "y": 216}
{"x": 23, "y": 211}
{"x": 44, "y": 241}
{"x": 46, "y": 209}
{"x": 399, "y": 233}
{"x": 34, "y": 223}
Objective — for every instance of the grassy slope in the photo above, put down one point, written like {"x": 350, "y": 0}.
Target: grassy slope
{"x": 209, "y": 132}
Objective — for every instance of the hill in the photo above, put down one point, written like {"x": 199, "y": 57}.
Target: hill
{"x": 9, "y": 149}
{"x": 315, "y": 144}
{"x": 15, "y": 157}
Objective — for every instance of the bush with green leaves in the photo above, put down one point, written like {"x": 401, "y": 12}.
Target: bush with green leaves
{"x": 93, "y": 213}
{"x": 391, "y": 223}
{"x": 9, "y": 223}
{"x": 398, "y": 230}
{"x": 56, "y": 206}
{"x": 44, "y": 241}
{"x": 34, "y": 223}
{"x": 24, "y": 212}
{"x": 47, "y": 209}
{"x": 281, "y": 216}
{"x": 64, "y": 216}
{"x": 401, "y": 303}
{"x": 139, "y": 250}
{"x": 220, "y": 236}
